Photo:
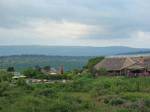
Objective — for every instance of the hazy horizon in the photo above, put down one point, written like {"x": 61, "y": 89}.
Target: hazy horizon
{"x": 34, "y": 45}
{"x": 98, "y": 23}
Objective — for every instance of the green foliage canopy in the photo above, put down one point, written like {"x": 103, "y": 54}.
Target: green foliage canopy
{"x": 92, "y": 62}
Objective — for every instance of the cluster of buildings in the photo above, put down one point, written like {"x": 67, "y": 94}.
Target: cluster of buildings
{"x": 129, "y": 66}
{"x": 17, "y": 75}
{"x": 52, "y": 71}
{"x": 47, "y": 70}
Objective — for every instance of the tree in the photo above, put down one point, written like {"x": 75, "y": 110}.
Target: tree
{"x": 10, "y": 69}
{"x": 92, "y": 62}
{"x": 38, "y": 68}
{"x": 31, "y": 73}
{"x": 47, "y": 68}
{"x": 34, "y": 73}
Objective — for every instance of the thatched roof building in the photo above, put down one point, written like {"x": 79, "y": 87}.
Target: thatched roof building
{"x": 114, "y": 63}
{"x": 124, "y": 63}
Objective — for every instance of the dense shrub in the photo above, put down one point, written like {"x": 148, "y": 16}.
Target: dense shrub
{"x": 83, "y": 93}
{"x": 47, "y": 92}
{"x": 92, "y": 62}
{"x": 147, "y": 102}
{"x": 34, "y": 73}
{"x": 11, "y": 69}
{"x": 5, "y": 76}
{"x": 102, "y": 71}
{"x": 116, "y": 101}
{"x": 4, "y": 86}
{"x": 81, "y": 83}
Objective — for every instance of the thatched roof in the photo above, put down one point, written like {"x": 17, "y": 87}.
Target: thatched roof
{"x": 114, "y": 63}
{"x": 136, "y": 67}
{"x": 147, "y": 62}
{"x": 142, "y": 61}
{"x": 124, "y": 62}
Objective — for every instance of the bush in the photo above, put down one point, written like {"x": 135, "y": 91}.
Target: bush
{"x": 10, "y": 69}
{"x": 5, "y": 76}
{"x": 29, "y": 104}
{"x": 92, "y": 62}
{"x": 117, "y": 101}
{"x": 123, "y": 110}
{"x": 81, "y": 83}
{"x": 56, "y": 77}
{"x": 147, "y": 102}
{"x": 21, "y": 82}
{"x": 106, "y": 100}
{"x": 102, "y": 71}
{"x": 45, "y": 92}
{"x": 33, "y": 73}
{"x": 3, "y": 87}
{"x": 77, "y": 95}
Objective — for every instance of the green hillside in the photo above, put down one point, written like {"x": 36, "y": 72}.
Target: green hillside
{"x": 25, "y": 61}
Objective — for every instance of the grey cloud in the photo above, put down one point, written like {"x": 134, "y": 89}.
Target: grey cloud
{"x": 119, "y": 17}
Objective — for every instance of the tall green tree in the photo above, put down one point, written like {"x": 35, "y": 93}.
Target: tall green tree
{"x": 10, "y": 69}
{"x": 92, "y": 62}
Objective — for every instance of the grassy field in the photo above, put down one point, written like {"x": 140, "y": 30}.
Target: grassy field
{"x": 83, "y": 94}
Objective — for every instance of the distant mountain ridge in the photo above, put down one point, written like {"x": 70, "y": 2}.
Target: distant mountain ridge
{"x": 140, "y": 52}
{"x": 68, "y": 50}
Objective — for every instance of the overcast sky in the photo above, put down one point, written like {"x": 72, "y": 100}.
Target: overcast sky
{"x": 75, "y": 22}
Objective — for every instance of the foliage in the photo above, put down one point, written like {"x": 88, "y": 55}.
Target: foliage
{"x": 83, "y": 93}
{"x": 5, "y": 76}
{"x": 47, "y": 68}
{"x": 37, "y": 74}
{"x": 34, "y": 73}
{"x": 10, "y": 69}
{"x": 92, "y": 62}
{"x": 102, "y": 71}
{"x": 3, "y": 87}
{"x": 117, "y": 101}
{"x": 26, "y": 61}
